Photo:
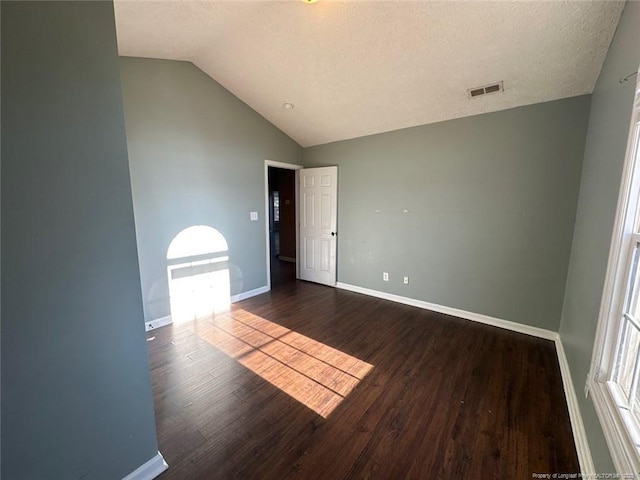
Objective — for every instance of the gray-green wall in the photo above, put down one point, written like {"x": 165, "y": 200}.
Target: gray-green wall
{"x": 491, "y": 205}
{"x": 602, "y": 168}
{"x": 197, "y": 158}
{"x": 0, "y": 253}
{"x": 76, "y": 392}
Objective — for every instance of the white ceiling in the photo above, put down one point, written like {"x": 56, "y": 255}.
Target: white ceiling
{"x": 355, "y": 68}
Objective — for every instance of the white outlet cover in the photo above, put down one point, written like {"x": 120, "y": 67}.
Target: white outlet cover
{"x": 254, "y": 216}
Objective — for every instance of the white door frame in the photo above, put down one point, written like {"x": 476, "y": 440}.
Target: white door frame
{"x": 286, "y": 166}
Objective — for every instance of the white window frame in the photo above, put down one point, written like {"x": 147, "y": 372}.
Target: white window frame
{"x": 623, "y": 442}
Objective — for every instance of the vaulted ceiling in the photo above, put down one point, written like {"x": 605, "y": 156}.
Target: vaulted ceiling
{"x": 355, "y": 68}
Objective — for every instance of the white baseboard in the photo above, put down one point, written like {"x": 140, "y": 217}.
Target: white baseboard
{"x": 579, "y": 433}
{"x": 157, "y": 323}
{"x": 476, "y": 317}
{"x": 161, "y": 322}
{"x": 249, "y": 294}
{"x": 149, "y": 470}
{"x": 577, "y": 426}
{"x": 286, "y": 259}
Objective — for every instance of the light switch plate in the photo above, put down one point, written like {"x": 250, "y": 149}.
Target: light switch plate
{"x": 254, "y": 216}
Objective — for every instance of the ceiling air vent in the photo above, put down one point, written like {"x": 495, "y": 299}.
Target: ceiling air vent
{"x": 486, "y": 90}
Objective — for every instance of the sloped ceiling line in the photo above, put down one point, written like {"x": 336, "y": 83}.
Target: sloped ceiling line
{"x": 356, "y": 68}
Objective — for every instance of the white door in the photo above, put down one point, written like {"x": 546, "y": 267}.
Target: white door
{"x": 318, "y": 192}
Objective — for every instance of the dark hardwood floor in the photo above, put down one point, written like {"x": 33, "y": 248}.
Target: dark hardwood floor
{"x": 282, "y": 272}
{"x": 311, "y": 382}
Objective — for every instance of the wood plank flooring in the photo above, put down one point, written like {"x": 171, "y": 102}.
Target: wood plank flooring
{"x": 311, "y": 382}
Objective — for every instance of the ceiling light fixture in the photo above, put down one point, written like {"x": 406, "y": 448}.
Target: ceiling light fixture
{"x": 287, "y": 106}
{"x": 309, "y": 1}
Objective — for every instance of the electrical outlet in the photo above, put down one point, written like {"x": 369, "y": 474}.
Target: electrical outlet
{"x": 385, "y": 276}
{"x": 405, "y": 280}
{"x": 254, "y": 216}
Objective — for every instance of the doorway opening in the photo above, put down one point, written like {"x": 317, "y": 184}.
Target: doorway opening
{"x": 281, "y": 222}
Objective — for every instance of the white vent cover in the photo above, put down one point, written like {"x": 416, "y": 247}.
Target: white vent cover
{"x": 486, "y": 90}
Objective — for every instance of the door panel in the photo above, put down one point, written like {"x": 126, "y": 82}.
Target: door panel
{"x": 309, "y": 254}
{"x": 318, "y": 235}
{"x": 309, "y": 210}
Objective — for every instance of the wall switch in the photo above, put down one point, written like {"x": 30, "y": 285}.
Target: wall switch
{"x": 405, "y": 280}
{"x": 385, "y": 276}
{"x": 254, "y": 216}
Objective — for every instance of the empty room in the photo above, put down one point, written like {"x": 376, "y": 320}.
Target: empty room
{"x": 319, "y": 240}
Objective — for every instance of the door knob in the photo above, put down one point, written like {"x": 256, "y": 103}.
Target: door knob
{"x": 334, "y": 234}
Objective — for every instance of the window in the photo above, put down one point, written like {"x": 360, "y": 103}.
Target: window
{"x": 276, "y": 206}
{"x": 198, "y": 273}
{"x": 614, "y": 379}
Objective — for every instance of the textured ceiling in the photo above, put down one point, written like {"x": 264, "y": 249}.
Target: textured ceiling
{"x": 355, "y": 68}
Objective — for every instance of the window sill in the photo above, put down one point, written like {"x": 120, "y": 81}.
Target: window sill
{"x": 622, "y": 449}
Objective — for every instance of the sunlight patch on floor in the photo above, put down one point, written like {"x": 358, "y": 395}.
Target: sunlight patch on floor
{"x": 316, "y": 375}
